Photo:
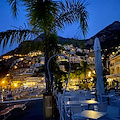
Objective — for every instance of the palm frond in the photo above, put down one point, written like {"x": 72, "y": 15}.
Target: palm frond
{"x": 41, "y": 14}
{"x": 73, "y": 11}
{"x": 14, "y": 6}
{"x": 17, "y": 36}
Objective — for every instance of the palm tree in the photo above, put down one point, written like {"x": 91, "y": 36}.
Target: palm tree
{"x": 85, "y": 68}
{"x": 46, "y": 16}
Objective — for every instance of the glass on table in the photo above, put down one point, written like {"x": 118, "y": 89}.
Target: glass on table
{"x": 95, "y": 107}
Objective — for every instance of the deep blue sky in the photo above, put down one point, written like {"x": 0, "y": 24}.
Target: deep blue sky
{"x": 101, "y": 14}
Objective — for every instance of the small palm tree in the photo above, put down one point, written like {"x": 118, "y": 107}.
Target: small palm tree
{"x": 85, "y": 68}
{"x": 46, "y": 16}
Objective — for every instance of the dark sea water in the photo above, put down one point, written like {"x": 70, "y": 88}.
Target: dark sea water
{"x": 33, "y": 111}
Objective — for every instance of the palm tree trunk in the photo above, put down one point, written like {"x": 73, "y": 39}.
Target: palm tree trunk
{"x": 48, "y": 84}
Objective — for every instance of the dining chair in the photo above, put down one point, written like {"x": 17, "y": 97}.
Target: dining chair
{"x": 75, "y": 110}
{"x": 83, "y": 92}
{"x": 112, "y": 91}
{"x": 80, "y": 97}
{"x": 72, "y": 93}
{"x": 88, "y": 95}
{"x": 71, "y": 111}
{"x": 102, "y": 107}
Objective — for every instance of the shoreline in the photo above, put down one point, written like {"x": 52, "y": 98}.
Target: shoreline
{"x": 22, "y": 100}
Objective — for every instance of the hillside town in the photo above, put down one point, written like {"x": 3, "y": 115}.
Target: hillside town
{"x": 23, "y": 70}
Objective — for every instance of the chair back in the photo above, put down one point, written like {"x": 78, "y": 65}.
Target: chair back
{"x": 75, "y": 109}
{"x": 81, "y": 98}
{"x": 112, "y": 92}
{"x": 71, "y": 110}
{"x": 83, "y": 92}
{"x": 102, "y": 107}
{"x": 88, "y": 95}
{"x": 72, "y": 93}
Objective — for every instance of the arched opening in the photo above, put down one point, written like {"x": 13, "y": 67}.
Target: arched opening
{"x": 112, "y": 71}
{"x": 118, "y": 69}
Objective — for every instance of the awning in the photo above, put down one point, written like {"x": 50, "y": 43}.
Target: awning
{"x": 113, "y": 75}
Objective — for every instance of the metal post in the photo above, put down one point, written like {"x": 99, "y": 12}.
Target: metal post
{"x": 1, "y": 98}
{"x": 48, "y": 103}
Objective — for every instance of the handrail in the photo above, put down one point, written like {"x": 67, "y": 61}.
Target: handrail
{"x": 67, "y": 79}
{"x": 68, "y": 72}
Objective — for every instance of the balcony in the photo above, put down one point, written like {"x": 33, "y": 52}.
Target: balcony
{"x": 117, "y": 63}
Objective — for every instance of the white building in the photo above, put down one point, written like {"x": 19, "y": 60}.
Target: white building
{"x": 68, "y": 47}
{"x": 61, "y": 58}
{"x": 74, "y": 59}
{"x": 114, "y": 69}
{"x": 91, "y": 58}
{"x": 34, "y": 81}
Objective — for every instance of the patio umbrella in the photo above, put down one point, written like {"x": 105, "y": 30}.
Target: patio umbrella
{"x": 98, "y": 67}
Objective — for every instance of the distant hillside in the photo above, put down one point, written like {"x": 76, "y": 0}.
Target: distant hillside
{"x": 73, "y": 41}
{"x": 63, "y": 41}
{"x": 109, "y": 36}
{"x": 27, "y": 46}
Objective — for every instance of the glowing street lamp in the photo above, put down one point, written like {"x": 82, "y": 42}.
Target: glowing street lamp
{"x": 8, "y": 75}
{"x": 3, "y": 82}
{"x": 15, "y": 85}
{"x": 3, "y": 85}
{"x": 89, "y": 74}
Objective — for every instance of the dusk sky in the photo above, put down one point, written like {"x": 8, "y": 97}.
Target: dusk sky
{"x": 101, "y": 14}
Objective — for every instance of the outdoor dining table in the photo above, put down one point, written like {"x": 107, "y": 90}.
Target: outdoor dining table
{"x": 80, "y": 102}
{"x": 89, "y": 102}
{"x": 89, "y": 114}
{"x": 73, "y": 102}
{"x": 107, "y": 96}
